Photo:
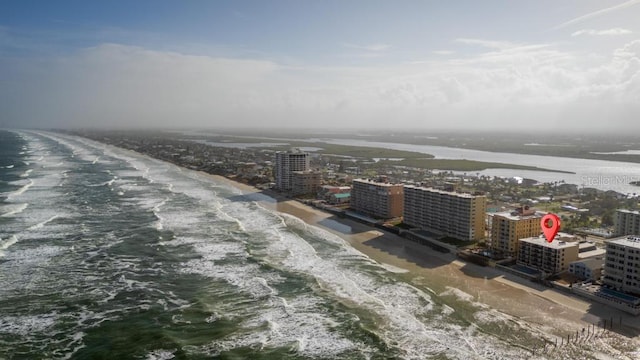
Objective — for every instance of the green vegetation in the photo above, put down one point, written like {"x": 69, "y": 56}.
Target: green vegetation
{"x": 457, "y": 165}
{"x": 408, "y": 158}
{"x": 362, "y": 152}
{"x": 600, "y": 147}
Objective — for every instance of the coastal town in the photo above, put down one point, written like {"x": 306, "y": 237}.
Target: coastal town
{"x": 492, "y": 222}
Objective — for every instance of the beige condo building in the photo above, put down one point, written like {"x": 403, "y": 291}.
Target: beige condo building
{"x": 305, "y": 182}
{"x": 510, "y": 226}
{"x": 377, "y": 199}
{"x": 458, "y": 215}
{"x": 550, "y": 258}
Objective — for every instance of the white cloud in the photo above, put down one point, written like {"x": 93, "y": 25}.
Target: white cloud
{"x": 608, "y": 32}
{"x": 597, "y": 13}
{"x": 443, "y": 52}
{"x": 513, "y": 86}
{"x": 492, "y": 44}
{"x": 371, "y": 47}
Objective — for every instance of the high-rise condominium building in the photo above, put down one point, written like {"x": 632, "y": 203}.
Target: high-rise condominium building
{"x": 286, "y": 163}
{"x": 461, "y": 216}
{"x": 622, "y": 264}
{"x": 626, "y": 222}
{"x": 510, "y": 226}
{"x": 376, "y": 198}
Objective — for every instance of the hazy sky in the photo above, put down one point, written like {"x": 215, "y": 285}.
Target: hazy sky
{"x": 568, "y": 64}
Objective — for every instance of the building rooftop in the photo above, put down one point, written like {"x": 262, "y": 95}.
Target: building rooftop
{"x": 511, "y": 215}
{"x": 592, "y": 254}
{"x": 586, "y": 246}
{"x": 374, "y": 182}
{"x": 462, "y": 195}
{"x": 628, "y": 241}
{"x": 636, "y": 212}
{"x": 556, "y": 244}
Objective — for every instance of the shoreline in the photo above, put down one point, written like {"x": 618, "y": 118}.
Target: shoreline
{"x": 484, "y": 286}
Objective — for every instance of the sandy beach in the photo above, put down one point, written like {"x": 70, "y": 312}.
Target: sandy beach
{"x": 448, "y": 276}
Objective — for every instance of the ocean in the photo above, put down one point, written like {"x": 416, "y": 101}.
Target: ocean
{"x": 109, "y": 254}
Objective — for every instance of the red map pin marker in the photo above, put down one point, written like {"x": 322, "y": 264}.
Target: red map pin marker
{"x": 550, "y": 225}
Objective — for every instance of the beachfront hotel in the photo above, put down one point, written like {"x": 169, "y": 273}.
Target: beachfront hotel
{"x": 548, "y": 257}
{"x": 288, "y": 162}
{"x": 626, "y": 222}
{"x": 378, "y": 199}
{"x": 457, "y": 215}
{"x": 622, "y": 264}
{"x": 510, "y": 226}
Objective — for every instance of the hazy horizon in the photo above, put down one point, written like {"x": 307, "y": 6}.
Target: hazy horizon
{"x": 571, "y": 66}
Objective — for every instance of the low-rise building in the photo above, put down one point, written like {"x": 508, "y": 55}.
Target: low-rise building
{"x": 339, "y": 199}
{"x": 587, "y": 269}
{"x": 326, "y": 191}
{"x": 589, "y": 250}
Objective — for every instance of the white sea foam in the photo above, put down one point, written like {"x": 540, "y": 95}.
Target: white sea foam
{"x": 161, "y": 354}
{"x": 9, "y": 167}
{"x": 405, "y": 310}
{"x": 27, "y": 324}
{"x": 463, "y": 296}
{"x": 77, "y": 149}
{"x": 4, "y": 244}
{"x": 25, "y": 186}
{"x": 394, "y": 269}
{"x": 298, "y": 324}
{"x": 105, "y": 183}
{"x": 26, "y": 173}
{"x": 22, "y": 265}
{"x": 43, "y": 223}
{"x": 10, "y": 210}
{"x": 451, "y": 291}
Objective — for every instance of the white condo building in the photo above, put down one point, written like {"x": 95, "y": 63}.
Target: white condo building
{"x": 458, "y": 215}
{"x": 626, "y": 222}
{"x": 288, "y": 162}
{"x": 622, "y": 264}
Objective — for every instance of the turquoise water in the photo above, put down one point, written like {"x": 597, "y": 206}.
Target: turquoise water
{"x": 107, "y": 254}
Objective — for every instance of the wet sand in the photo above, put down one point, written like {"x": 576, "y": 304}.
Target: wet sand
{"x": 522, "y": 299}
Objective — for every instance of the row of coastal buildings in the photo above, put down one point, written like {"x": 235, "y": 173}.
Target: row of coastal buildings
{"x": 447, "y": 213}
{"x": 514, "y": 234}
